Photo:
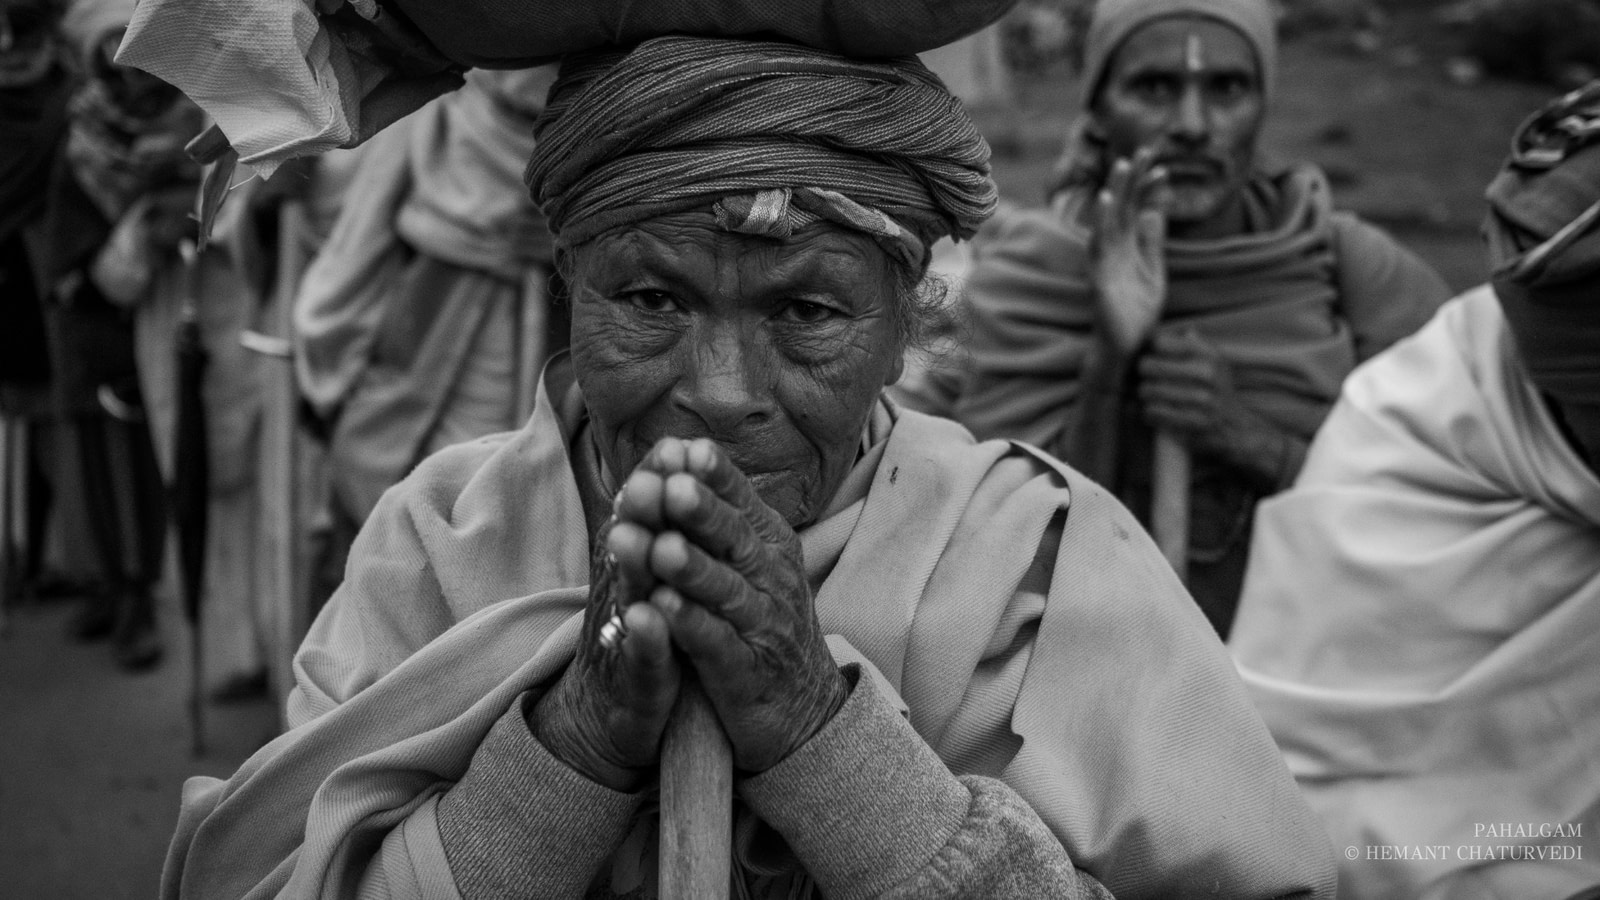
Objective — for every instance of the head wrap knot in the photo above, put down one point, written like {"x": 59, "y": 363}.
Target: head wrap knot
{"x": 1543, "y": 232}
{"x": 776, "y": 135}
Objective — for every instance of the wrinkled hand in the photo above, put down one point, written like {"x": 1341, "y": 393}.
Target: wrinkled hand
{"x": 1127, "y": 253}
{"x": 1186, "y": 388}
{"x": 709, "y": 576}
{"x": 606, "y": 714}
{"x": 734, "y": 596}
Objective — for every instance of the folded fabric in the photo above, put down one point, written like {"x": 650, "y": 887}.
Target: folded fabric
{"x": 286, "y": 78}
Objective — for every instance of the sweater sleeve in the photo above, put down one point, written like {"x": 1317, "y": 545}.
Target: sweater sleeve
{"x": 872, "y": 812}
{"x": 520, "y": 820}
{"x": 1386, "y": 291}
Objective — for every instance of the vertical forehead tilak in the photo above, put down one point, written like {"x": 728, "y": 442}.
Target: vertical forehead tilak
{"x": 1194, "y": 54}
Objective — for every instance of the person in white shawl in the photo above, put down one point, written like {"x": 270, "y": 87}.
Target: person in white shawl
{"x": 410, "y": 325}
{"x": 1421, "y": 619}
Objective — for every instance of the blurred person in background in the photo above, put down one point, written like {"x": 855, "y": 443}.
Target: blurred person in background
{"x": 127, "y": 156}
{"x": 1421, "y": 619}
{"x": 1180, "y": 282}
{"x": 35, "y": 85}
{"x": 120, "y": 179}
{"x": 411, "y": 325}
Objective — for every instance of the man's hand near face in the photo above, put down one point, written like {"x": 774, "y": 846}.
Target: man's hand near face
{"x": 1128, "y": 254}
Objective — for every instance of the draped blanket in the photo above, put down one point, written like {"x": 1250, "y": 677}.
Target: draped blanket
{"x": 1421, "y": 621}
{"x": 288, "y": 78}
{"x": 1100, "y": 695}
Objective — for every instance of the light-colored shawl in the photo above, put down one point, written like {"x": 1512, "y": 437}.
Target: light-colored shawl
{"x": 445, "y": 182}
{"x": 1107, "y": 703}
{"x": 1420, "y": 626}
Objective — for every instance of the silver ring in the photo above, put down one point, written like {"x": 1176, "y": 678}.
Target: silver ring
{"x": 612, "y": 632}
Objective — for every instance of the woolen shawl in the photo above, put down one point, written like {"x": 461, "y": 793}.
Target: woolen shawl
{"x": 1108, "y": 704}
{"x": 1293, "y": 306}
{"x": 1421, "y": 619}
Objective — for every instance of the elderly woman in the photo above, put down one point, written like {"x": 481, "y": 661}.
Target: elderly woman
{"x": 946, "y": 669}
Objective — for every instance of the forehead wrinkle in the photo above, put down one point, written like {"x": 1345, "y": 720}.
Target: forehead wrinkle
{"x": 639, "y": 250}
{"x": 795, "y": 264}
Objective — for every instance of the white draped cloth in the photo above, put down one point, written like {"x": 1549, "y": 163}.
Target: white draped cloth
{"x": 1420, "y": 626}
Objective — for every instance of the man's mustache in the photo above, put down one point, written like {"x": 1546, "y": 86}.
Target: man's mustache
{"x": 1188, "y": 165}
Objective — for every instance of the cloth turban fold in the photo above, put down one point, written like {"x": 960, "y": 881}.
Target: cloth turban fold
{"x": 773, "y": 135}
{"x": 1543, "y": 232}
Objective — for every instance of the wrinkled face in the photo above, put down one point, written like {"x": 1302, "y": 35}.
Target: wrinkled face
{"x": 1190, "y": 86}
{"x": 775, "y": 350}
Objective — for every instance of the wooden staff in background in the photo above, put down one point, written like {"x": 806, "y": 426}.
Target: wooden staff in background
{"x": 1169, "y": 501}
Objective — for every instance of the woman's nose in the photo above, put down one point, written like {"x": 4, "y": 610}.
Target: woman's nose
{"x": 726, "y": 383}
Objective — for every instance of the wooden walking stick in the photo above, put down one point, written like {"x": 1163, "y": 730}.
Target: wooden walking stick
{"x": 696, "y": 801}
{"x": 279, "y": 488}
{"x": 191, "y": 482}
{"x": 1169, "y": 501}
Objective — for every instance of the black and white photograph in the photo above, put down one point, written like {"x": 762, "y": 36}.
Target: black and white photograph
{"x": 800, "y": 449}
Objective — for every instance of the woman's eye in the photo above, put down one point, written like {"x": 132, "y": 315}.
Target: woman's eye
{"x": 650, "y": 301}
{"x": 808, "y": 313}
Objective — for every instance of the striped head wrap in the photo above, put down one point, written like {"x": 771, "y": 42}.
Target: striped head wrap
{"x": 771, "y": 136}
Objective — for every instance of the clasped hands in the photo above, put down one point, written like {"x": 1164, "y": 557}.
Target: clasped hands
{"x": 707, "y": 576}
